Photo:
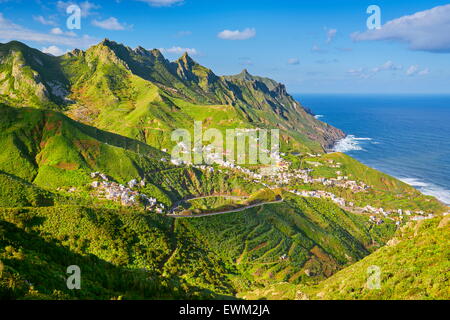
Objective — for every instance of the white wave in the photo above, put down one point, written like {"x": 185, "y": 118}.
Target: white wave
{"x": 414, "y": 182}
{"x": 349, "y": 143}
{"x": 318, "y": 116}
{"x": 429, "y": 189}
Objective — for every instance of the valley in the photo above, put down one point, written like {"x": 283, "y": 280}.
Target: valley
{"x": 86, "y": 179}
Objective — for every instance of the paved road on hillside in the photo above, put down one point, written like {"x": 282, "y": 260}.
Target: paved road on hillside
{"x": 223, "y": 212}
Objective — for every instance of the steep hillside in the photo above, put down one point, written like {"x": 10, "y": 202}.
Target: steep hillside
{"x": 55, "y": 217}
{"x": 83, "y": 181}
{"x": 52, "y": 151}
{"x": 140, "y": 94}
{"x": 129, "y": 253}
{"x": 118, "y": 252}
{"x": 413, "y": 265}
{"x": 46, "y": 154}
{"x": 29, "y": 77}
{"x": 15, "y": 192}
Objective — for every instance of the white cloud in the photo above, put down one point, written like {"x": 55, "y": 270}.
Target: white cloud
{"x": 237, "y": 35}
{"x": 359, "y": 73}
{"x": 427, "y": 30}
{"x": 424, "y": 72}
{"x": 87, "y": 8}
{"x": 12, "y": 31}
{"x": 365, "y": 73}
{"x": 388, "y": 65}
{"x": 415, "y": 70}
{"x": 331, "y": 33}
{"x": 246, "y": 61}
{"x": 53, "y": 50}
{"x": 110, "y": 24}
{"x": 179, "y": 50}
{"x": 316, "y": 48}
{"x": 412, "y": 70}
{"x": 293, "y": 61}
{"x": 59, "y": 31}
{"x": 45, "y": 21}
{"x": 162, "y": 3}
{"x": 56, "y": 31}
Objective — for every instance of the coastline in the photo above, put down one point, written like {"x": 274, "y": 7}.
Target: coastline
{"x": 351, "y": 143}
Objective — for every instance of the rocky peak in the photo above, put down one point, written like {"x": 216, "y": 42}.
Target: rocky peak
{"x": 245, "y": 73}
{"x": 186, "y": 60}
{"x": 157, "y": 54}
{"x": 142, "y": 51}
{"x": 280, "y": 89}
{"x": 75, "y": 53}
{"x": 107, "y": 42}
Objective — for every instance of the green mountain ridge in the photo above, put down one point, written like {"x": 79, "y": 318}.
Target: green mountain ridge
{"x": 118, "y": 89}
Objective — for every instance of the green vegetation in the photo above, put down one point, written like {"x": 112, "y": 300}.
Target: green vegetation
{"x": 15, "y": 192}
{"x": 413, "y": 265}
{"x": 140, "y": 94}
{"x": 111, "y": 109}
{"x": 385, "y": 191}
{"x": 166, "y": 258}
{"x": 119, "y": 253}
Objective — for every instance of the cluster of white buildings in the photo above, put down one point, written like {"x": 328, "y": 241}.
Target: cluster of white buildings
{"x": 281, "y": 174}
{"x": 125, "y": 195}
{"x": 323, "y": 195}
{"x": 419, "y": 214}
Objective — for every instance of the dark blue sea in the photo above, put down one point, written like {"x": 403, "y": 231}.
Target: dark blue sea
{"x": 406, "y": 136}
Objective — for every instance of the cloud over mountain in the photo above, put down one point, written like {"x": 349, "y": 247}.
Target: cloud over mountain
{"x": 12, "y": 31}
{"x": 179, "y": 50}
{"x": 110, "y": 24}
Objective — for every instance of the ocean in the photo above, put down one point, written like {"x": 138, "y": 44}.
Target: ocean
{"x": 406, "y": 136}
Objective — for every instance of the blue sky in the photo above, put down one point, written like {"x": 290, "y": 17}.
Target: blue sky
{"x": 311, "y": 46}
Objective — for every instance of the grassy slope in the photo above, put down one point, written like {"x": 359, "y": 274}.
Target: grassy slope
{"x": 119, "y": 253}
{"x": 414, "y": 265}
{"x": 25, "y": 74}
{"x": 315, "y": 235}
{"x": 129, "y": 253}
{"x": 223, "y": 254}
{"x": 139, "y": 94}
{"x": 51, "y": 150}
{"x": 386, "y": 191}
{"x": 15, "y": 192}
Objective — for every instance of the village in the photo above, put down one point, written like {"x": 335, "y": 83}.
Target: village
{"x": 281, "y": 175}
{"x": 275, "y": 176}
{"x": 124, "y": 195}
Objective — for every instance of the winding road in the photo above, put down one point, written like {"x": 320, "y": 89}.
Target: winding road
{"x": 222, "y": 212}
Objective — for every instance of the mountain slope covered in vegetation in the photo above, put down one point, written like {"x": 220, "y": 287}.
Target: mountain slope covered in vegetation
{"x": 85, "y": 180}
{"x": 140, "y": 94}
